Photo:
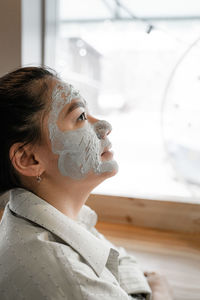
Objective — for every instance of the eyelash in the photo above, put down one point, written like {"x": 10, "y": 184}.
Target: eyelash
{"x": 80, "y": 117}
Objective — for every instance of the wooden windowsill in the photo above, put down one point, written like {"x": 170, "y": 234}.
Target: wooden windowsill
{"x": 164, "y": 215}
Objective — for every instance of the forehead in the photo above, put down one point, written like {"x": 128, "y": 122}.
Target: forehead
{"x": 63, "y": 93}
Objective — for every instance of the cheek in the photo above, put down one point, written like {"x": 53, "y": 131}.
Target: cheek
{"x": 80, "y": 142}
{"x": 50, "y": 160}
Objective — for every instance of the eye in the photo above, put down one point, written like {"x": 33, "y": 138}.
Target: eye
{"x": 82, "y": 117}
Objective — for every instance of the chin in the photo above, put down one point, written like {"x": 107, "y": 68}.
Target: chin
{"x": 107, "y": 169}
{"x": 112, "y": 166}
{"x": 111, "y": 174}
{"x": 94, "y": 179}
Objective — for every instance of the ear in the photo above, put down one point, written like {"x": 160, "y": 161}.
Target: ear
{"x": 25, "y": 160}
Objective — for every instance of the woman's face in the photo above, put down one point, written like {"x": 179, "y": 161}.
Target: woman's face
{"x": 78, "y": 143}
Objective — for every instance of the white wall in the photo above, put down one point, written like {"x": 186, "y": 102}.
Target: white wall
{"x": 10, "y": 35}
{"x": 20, "y": 34}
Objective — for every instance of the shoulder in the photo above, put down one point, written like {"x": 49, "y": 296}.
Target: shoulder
{"x": 37, "y": 266}
{"x": 31, "y": 254}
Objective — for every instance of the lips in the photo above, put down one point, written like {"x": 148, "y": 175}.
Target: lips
{"x": 106, "y": 149}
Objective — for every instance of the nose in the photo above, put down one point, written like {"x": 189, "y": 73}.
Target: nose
{"x": 102, "y": 129}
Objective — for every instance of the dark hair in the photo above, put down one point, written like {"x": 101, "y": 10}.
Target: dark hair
{"x": 22, "y": 101}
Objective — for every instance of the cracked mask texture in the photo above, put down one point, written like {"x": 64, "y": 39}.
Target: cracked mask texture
{"x": 79, "y": 150}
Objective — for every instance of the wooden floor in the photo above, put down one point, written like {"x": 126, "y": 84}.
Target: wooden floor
{"x": 175, "y": 255}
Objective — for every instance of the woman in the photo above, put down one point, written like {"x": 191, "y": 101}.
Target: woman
{"x": 53, "y": 154}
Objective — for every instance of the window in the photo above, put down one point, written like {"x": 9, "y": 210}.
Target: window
{"x": 133, "y": 63}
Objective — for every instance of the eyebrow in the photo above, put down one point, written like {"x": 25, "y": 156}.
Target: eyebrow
{"x": 74, "y": 106}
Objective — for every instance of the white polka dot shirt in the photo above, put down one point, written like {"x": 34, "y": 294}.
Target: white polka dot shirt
{"x": 46, "y": 255}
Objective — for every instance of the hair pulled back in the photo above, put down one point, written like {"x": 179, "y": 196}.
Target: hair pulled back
{"x": 22, "y": 101}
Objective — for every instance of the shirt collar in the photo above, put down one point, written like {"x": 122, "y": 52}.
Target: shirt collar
{"x": 31, "y": 207}
{"x": 87, "y": 217}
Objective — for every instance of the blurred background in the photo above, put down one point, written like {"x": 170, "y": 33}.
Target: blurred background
{"x": 137, "y": 64}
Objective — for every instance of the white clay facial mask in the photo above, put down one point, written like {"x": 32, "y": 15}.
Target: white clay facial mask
{"x": 79, "y": 150}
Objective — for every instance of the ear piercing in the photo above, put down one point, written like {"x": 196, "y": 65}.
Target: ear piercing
{"x": 38, "y": 178}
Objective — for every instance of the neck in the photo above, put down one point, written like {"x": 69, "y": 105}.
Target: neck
{"x": 68, "y": 200}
